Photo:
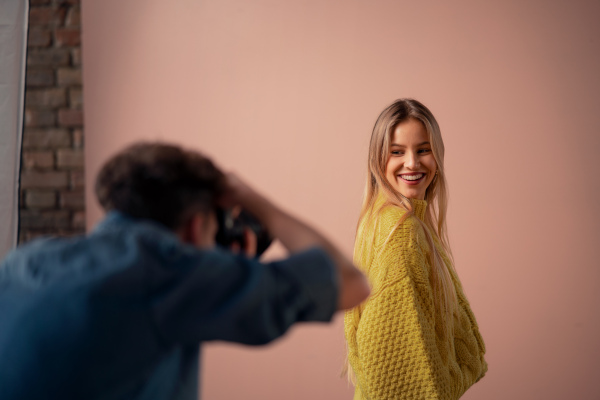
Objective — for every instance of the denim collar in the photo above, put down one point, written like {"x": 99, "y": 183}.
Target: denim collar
{"x": 121, "y": 220}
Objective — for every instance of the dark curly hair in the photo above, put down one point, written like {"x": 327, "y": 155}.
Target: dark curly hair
{"x": 158, "y": 181}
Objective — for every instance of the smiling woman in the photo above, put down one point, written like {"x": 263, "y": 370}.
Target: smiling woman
{"x": 416, "y": 336}
{"x": 411, "y": 165}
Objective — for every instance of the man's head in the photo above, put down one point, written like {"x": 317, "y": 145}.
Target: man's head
{"x": 163, "y": 183}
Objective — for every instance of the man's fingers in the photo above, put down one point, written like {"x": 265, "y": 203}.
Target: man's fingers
{"x": 251, "y": 241}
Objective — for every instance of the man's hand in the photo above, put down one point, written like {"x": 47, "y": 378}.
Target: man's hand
{"x": 250, "y": 243}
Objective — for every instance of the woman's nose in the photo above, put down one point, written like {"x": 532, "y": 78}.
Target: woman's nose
{"x": 412, "y": 160}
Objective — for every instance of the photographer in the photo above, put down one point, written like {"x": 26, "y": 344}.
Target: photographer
{"x": 121, "y": 313}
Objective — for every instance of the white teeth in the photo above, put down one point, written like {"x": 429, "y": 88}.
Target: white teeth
{"x": 412, "y": 177}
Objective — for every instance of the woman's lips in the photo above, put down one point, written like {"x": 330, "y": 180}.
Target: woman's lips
{"x": 412, "y": 179}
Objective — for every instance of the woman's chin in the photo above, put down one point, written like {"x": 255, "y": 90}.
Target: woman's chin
{"x": 413, "y": 194}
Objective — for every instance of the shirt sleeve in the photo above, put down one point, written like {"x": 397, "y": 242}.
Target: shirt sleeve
{"x": 396, "y": 328}
{"x": 215, "y": 295}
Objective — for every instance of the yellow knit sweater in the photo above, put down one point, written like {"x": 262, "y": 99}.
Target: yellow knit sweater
{"x": 394, "y": 347}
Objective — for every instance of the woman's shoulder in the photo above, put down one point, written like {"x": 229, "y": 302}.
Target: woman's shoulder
{"x": 395, "y": 218}
{"x": 396, "y": 248}
{"x": 391, "y": 212}
{"x": 388, "y": 225}
{"x": 388, "y": 228}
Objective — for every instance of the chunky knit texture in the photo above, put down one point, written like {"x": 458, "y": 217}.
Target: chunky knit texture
{"x": 395, "y": 350}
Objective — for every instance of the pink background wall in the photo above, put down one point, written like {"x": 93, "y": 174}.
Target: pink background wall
{"x": 286, "y": 93}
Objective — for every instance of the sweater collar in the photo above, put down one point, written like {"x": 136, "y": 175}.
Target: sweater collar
{"x": 419, "y": 206}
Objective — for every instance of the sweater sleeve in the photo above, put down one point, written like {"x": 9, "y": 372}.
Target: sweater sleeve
{"x": 397, "y": 329}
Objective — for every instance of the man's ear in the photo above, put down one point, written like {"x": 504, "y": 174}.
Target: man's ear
{"x": 193, "y": 230}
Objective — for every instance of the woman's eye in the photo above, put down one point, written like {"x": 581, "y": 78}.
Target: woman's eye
{"x": 424, "y": 151}
{"x": 397, "y": 152}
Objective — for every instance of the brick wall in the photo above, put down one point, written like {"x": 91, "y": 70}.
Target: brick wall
{"x": 52, "y": 179}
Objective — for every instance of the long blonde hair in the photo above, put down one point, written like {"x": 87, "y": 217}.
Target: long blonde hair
{"x": 434, "y": 224}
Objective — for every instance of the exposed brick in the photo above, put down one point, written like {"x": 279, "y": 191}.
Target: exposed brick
{"x": 77, "y": 179}
{"x": 32, "y": 234}
{"x": 67, "y": 158}
{"x": 50, "y": 57}
{"x": 69, "y": 76}
{"x": 43, "y": 98}
{"x": 53, "y": 59}
{"x": 67, "y": 37}
{"x": 44, "y": 16}
{"x": 37, "y": 77}
{"x": 61, "y": 10}
{"x": 70, "y": 117}
{"x": 38, "y": 159}
{"x": 46, "y": 138}
{"x": 78, "y": 220}
{"x": 34, "y": 219}
{"x": 44, "y": 180}
{"x": 72, "y": 232}
{"x": 78, "y": 138}
{"x": 73, "y": 17}
{"x": 76, "y": 98}
{"x": 40, "y": 199}
{"x": 72, "y": 200}
{"x": 39, "y": 118}
{"x": 76, "y": 56}
{"x": 39, "y": 37}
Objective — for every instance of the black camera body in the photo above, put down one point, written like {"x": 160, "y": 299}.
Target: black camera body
{"x": 231, "y": 230}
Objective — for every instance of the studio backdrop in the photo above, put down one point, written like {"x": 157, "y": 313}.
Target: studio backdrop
{"x": 286, "y": 94}
{"x": 13, "y": 48}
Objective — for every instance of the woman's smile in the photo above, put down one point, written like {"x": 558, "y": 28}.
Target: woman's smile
{"x": 412, "y": 179}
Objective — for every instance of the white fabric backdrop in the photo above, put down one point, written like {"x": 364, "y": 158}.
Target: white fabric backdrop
{"x": 13, "y": 47}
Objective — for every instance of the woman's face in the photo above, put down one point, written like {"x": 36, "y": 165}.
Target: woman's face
{"x": 411, "y": 166}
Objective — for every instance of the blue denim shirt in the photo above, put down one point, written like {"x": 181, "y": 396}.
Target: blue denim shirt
{"x": 120, "y": 313}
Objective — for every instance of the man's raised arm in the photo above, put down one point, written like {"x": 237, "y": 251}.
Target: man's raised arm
{"x": 297, "y": 236}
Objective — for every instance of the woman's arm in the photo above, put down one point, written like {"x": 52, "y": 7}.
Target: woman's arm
{"x": 395, "y": 336}
{"x": 393, "y": 361}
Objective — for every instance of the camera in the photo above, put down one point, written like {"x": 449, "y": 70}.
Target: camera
{"x": 233, "y": 222}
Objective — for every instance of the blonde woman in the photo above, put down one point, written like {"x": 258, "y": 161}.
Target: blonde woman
{"x": 416, "y": 336}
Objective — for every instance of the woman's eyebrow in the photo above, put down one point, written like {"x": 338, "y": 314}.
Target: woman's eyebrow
{"x": 402, "y": 145}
